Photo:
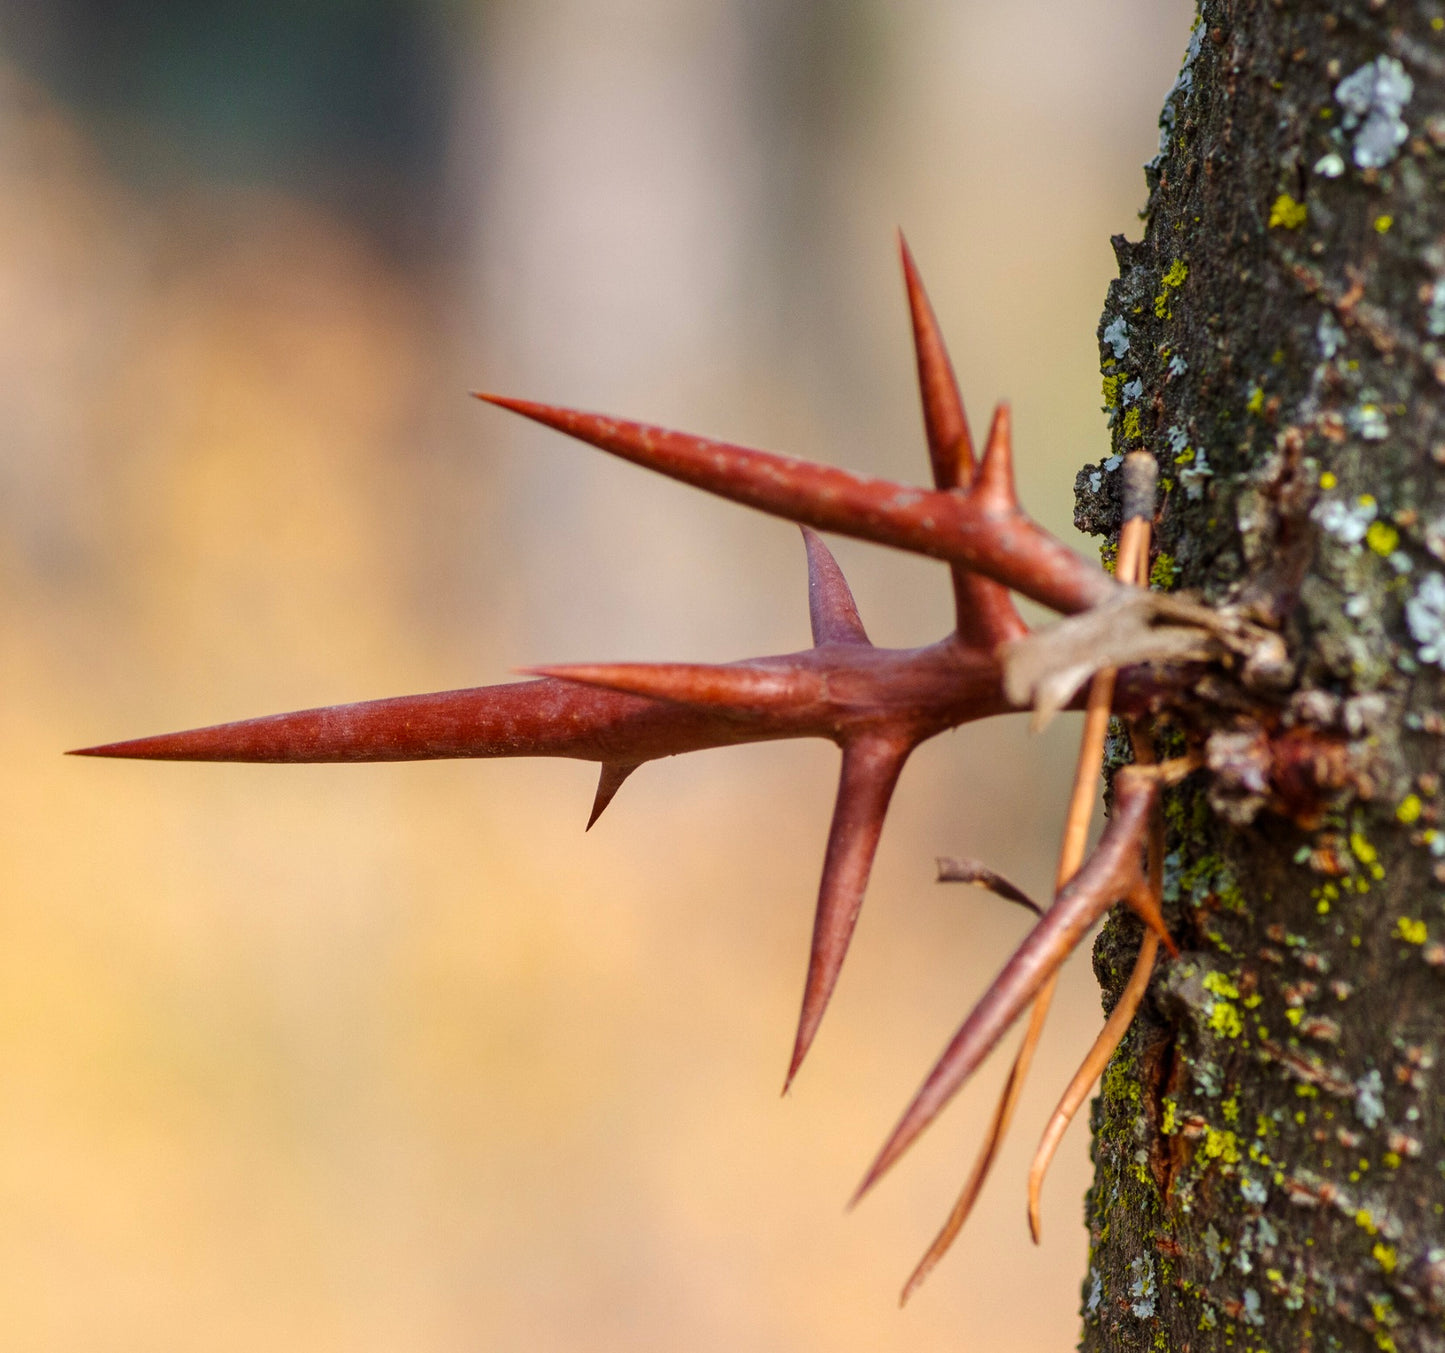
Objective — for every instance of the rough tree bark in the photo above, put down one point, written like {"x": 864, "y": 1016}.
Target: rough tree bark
{"x": 1270, "y": 1140}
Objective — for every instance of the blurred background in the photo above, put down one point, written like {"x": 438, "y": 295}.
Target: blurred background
{"x": 395, "y": 1057}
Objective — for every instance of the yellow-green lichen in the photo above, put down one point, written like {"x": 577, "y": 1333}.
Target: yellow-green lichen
{"x": 1364, "y": 852}
{"x": 1132, "y": 430}
{"x": 1163, "y": 572}
{"x": 1172, "y": 280}
{"x": 1221, "y": 1145}
{"x": 1225, "y": 1021}
{"x": 1383, "y": 538}
{"x": 1111, "y": 392}
{"x": 1383, "y": 222}
{"x": 1120, "y": 1082}
{"x": 1287, "y": 214}
{"x": 1412, "y": 932}
{"x": 1409, "y": 809}
{"x": 1256, "y": 400}
{"x": 1219, "y": 984}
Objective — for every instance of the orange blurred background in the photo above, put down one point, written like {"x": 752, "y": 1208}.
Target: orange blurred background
{"x": 395, "y": 1057}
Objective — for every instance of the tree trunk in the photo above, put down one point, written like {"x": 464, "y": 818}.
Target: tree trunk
{"x": 1270, "y": 1139}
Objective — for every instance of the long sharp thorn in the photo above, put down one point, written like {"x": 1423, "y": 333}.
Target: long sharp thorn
{"x": 945, "y": 423}
{"x": 1106, "y": 876}
{"x": 608, "y": 783}
{"x": 831, "y": 609}
{"x": 871, "y": 766}
{"x": 747, "y": 691}
{"x": 524, "y": 718}
{"x": 985, "y": 611}
{"x": 1008, "y": 548}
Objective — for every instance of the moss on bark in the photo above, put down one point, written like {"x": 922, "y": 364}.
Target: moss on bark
{"x": 1270, "y": 1140}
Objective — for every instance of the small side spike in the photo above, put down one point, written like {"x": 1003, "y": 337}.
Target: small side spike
{"x": 608, "y": 783}
{"x": 994, "y": 484}
{"x": 871, "y": 766}
{"x": 979, "y": 874}
{"x": 1144, "y": 903}
{"x": 832, "y": 611}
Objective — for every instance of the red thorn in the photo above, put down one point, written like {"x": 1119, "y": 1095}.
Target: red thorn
{"x": 518, "y": 719}
{"x": 1108, "y": 875}
{"x": 524, "y": 718}
{"x": 831, "y": 608}
{"x": 995, "y": 483}
{"x": 949, "y": 446}
{"x": 746, "y": 689}
{"x": 1008, "y": 547}
{"x": 608, "y": 783}
{"x": 871, "y": 766}
{"x": 985, "y": 611}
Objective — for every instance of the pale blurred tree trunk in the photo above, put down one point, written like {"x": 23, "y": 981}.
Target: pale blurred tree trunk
{"x": 1268, "y": 1142}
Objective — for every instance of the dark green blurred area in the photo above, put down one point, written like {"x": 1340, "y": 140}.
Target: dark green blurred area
{"x": 343, "y": 101}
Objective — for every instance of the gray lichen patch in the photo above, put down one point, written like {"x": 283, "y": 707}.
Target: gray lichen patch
{"x": 1425, "y": 615}
{"x": 1373, "y": 98}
